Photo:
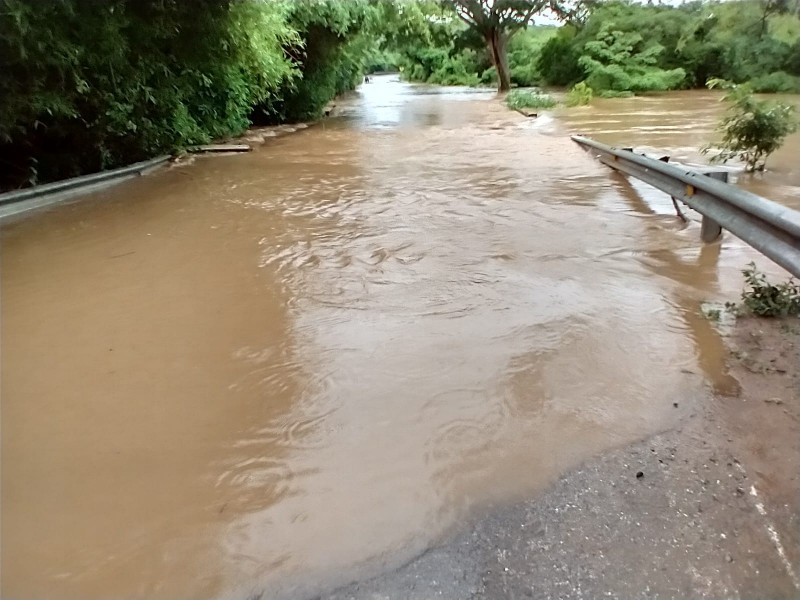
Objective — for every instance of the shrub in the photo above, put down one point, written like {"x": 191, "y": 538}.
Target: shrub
{"x": 558, "y": 60}
{"x": 489, "y": 76}
{"x": 580, "y": 95}
{"x": 524, "y": 50}
{"x": 765, "y": 299}
{"x": 777, "y": 82}
{"x": 525, "y": 75}
{"x": 517, "y": 99}
{"x": 752, "y": 129}
{"x": 456, "y": 70}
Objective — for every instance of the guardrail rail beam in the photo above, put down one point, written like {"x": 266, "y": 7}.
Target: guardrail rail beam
{"x": 769, "y": 227}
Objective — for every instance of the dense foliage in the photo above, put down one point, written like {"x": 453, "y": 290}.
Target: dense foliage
{"x": 640, "y": 47}
{"x": 622, "y": 61}
{"x": 88, "y": 86}
{"x": 329, "y": 55}
{"x": 616, "y": 46}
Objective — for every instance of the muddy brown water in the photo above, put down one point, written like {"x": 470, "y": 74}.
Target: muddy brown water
{"x": 278, "y": 370}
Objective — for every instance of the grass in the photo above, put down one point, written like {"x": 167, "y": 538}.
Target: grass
{"x": 517, "y": 99}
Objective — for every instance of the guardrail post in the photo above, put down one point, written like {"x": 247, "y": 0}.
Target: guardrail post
{"x": 710, "y": 230}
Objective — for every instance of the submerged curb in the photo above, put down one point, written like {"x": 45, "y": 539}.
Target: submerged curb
{"x": 21, "y": 201}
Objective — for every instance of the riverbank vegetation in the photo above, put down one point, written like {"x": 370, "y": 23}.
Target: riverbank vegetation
{"x": 517, "y": 99}
{"x": 90, "y": 86}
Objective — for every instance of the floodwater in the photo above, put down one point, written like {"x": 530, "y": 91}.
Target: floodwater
{"x": 679, "y": 124}
{"x": 281, "y": 370}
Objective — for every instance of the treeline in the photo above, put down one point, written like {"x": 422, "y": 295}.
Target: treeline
{"x": 89, "y": 85}
{"x": 616, "y": 47}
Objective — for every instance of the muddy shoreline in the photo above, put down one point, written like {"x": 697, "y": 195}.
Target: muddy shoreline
{"x": 710, "y": 509}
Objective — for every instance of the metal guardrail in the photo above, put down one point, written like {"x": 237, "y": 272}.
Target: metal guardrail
{"x": 769, "y": 227}
{"x": 39, "y": 196}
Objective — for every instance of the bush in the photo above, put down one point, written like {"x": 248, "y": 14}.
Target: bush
{"x": 580, "y": 95}
{"x": 517, "y": 99}
{"x": 752, "y": 129}
{"x": 777, "y": 82}
{"x": 765, "y": 299}
{"x": 489, "y": 76}
{"x": 558, "y": 60}
{"x": 525, "y": 75}
{"x": 524, "y": 50}
{"x": 456, "y": 70}
{"x": 381, "y": 61}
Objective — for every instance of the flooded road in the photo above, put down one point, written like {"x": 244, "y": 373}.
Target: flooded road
{"x": 277, "y": 370}
{"x": 679, "y": 124}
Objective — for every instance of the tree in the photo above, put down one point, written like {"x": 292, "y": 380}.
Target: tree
{"x": 622, "y": 61}
{"x": 769, "y": 8}
{"x": 558, "y": 60}
{"x": 497, "y": 21}
{"x": 752, "y": 129}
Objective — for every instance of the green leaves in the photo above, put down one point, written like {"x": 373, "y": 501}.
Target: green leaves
{"x": 765, "y": 299}
{"x": 622, "y": 61}
{"x": 132, "y": 78}
{"x": 517, "y": 99}
{"x": 751, "y": 129}
{"x": 579, "y": 95}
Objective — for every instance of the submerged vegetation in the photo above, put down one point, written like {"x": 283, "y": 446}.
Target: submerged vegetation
{"x": 765, "y": 299}
{"x": 579, "y": 95}
{"x": 752, "y": 129}
{"x": 517, "y": 99}
{"x": 89, "y": 86}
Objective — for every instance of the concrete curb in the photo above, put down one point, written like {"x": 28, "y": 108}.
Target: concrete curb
{"x": 16, "y": 202}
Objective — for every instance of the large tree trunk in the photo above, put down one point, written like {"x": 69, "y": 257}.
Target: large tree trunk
{"x": 496, "y": 42}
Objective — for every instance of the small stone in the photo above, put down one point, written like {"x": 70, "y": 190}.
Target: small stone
{"x": 675, "y": 404}
{"x": 639, "y": 475}
{"x": 728, "y": 558}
